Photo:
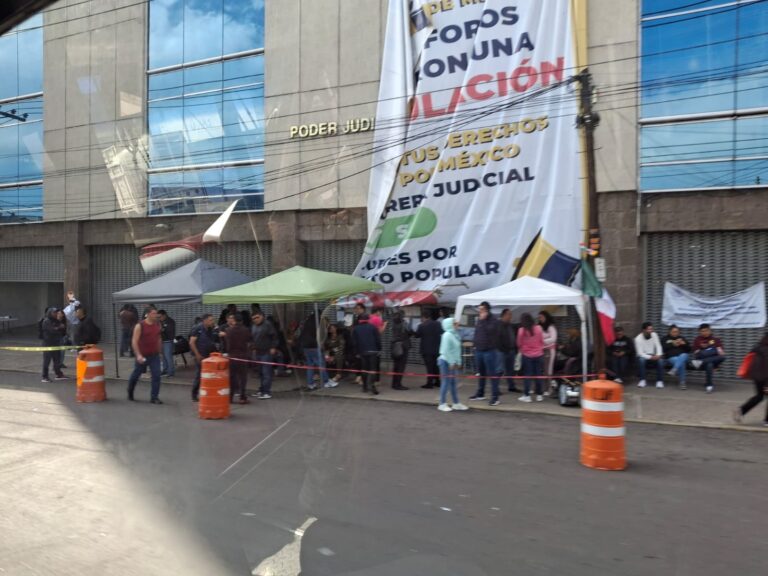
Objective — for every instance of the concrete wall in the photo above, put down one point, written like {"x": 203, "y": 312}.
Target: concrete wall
{"x": 322, "y": 65}
{"x": 94, "y": 86}
{"x": 613, "y": 50}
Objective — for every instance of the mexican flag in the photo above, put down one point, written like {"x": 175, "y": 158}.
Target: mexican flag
{"x": 606, "y": 309}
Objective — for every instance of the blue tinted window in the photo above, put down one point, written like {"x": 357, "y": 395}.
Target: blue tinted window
{"x": 24, "y": 204}
{"x": 203, "y": 191}
{"x": 709, "y": 60}
{"x": 188, "y": 30}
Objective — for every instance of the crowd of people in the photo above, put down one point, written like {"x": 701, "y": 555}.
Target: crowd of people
{"x": 500, "y": 351}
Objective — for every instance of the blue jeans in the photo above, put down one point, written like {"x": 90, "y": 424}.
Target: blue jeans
{"x": 533, "y": 367}
{"x": 709, "y": 365}
{"x": 487, "y": 365}
{"x": 619, "y": 365}
{"x": 168, "y": 365}
{"x": 508, "y": 367}
{"x": 678, "y": 363}
{"x": 447, "y": 381}
{"x": 641, "y": 362}
{"x": 153, "y": 363}
{"x": 125, "y": 341}
{"x": 265, "y": 371}
{"x": 312, "y": 357}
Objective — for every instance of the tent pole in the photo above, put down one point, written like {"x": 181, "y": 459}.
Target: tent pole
{"x": 319, "y": 344}
{"x": 585, "y": 341}
{"x": 117, "y": 350}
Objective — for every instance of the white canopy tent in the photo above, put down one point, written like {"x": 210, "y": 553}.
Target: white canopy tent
{"x": 529, "y": 291}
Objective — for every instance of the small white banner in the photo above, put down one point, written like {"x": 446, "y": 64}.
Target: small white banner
{"x": 745, "y": 309}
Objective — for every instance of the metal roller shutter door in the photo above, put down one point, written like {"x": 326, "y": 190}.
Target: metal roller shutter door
{"x": 115, "y": 268}
{"x": 708, "y": 263}
{"x": 38, "y": 264}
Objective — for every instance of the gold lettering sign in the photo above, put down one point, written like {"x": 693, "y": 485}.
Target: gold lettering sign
{"x": 353, "y": 126}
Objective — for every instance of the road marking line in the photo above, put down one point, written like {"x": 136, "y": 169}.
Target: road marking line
{"x": 236, "y": 462}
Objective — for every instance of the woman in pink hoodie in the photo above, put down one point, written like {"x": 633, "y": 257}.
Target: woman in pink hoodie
{"x": 550, "y": 345}
{"x": 530, "y": 343}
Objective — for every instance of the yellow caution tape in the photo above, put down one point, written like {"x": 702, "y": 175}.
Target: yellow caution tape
{"x": 38, "y": 348}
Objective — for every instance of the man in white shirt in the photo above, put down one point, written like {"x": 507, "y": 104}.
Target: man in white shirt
{"x": 648, "y": 349}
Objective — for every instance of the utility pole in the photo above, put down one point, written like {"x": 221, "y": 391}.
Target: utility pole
{"x": 13, "y": 116}
{"x": 588, "y": 120}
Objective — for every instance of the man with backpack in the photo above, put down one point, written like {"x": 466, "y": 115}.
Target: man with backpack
{"x": 51, "y": 332}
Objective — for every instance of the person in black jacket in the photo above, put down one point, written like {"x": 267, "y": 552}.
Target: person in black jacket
{"x": 168, "y": 335}
{"x": 487, "y": 353}
{"x": 430, "y": 332}
{"x": 86, "y": 331}
{"x": 367, "y": 340}
{"x": 676, "y": 354}
{"x": 758, "y": 371}
{"x": 264, "y": 343}
{"x": 53, "y": 331}
{"x": 620, "y": 355}
{"x": 401, "y": 345}
{"x": 312, "y": 355}
{"x": 508, "y": 347}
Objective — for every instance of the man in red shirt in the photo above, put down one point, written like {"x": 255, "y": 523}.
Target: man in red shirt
{"x": 147, "y": 345}
{"x": 708, "y": 354}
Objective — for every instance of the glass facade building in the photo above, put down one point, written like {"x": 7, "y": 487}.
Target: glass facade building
{"x": 206, "y": 105}
{"x": 21, "y": 142}
{"x": 704, "y": 97}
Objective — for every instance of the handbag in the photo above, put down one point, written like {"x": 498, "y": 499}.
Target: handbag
{"x": 746, "y": 364}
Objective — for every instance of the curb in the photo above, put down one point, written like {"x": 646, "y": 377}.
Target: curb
{"x": 482, "y": 407}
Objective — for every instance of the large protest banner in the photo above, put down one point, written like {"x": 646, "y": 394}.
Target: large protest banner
{"x": 476, "y": 172}
{"x": 744, "y": 309}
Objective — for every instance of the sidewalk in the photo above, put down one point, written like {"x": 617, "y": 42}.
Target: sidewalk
{"x": 671, "y": 406}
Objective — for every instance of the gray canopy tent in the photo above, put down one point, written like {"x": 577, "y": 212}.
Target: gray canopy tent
{"x": 184, "y": 285}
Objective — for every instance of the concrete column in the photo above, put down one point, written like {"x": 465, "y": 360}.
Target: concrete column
{"x": 287, "y": 251}
{"x": 77, "y": 263}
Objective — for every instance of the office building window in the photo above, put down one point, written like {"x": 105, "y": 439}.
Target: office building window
{"x": 206, "y": 105}
{"x": 21, "y": 123}
{"x": 704, "y": 97}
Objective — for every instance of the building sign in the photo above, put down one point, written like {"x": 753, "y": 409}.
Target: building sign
{"x": 353, "y": 126}
{"x": 745, "y": 309}
{"x": 476, "y": 167}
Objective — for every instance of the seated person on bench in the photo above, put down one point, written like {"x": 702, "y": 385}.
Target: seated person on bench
{"x": 708, "y": 354}
{"x": 648, "y": 350}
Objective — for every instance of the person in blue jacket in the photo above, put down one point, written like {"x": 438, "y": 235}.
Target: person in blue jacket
{"x": 449, "y": 362}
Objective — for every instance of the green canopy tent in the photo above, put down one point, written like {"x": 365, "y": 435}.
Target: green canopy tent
{"x": 294, "y": 286}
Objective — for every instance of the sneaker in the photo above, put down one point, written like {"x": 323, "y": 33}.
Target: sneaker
{"x": 331, "y": 384}
{"x": 709, "y": 389}
{"x": 641, "y": 384}
{"x": 45, "y": 380}
{"x": 659, "y": 384}
{"x": 445, "y": 408}
{"x": 524, "y": 398}
{"x": 546, "y": 393}
{"x": 61, "y": 377}
{"x": 155, "y": 401}
{"x": 264, "y": 396}
{"x": 618, "y": 381}
{"x": 671, "y": 372}
{"x": 683, "y": 386}
{"x": 696, "y": 363}
{"x": 539, "y": 398}
{"x": 476, "y": 397}
{"x": 494, "y": 403}
{"x": 399, "y": 387}
{"x": 738, "y": 416}
{"x": 310, "y": 387}
{"x": 460, "y": 406}
{"x": 244, "y": 400}
{"x": 336, "y": 378}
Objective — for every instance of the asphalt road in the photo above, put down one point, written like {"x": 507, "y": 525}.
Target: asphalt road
{"x": 329, "y": 486}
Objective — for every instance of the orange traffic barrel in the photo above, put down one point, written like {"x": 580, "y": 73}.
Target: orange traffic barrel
{"x": 90, "y": 375}
{"x": 602, "y": 425}
{"x": 214, "y": 388}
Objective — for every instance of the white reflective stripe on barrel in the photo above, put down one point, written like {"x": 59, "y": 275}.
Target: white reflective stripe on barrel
{"x": 602, "y": 406}
{"x": 210, "y": 375}
{"x": 603, "y": 431}
{"x": 203, "y": 392}
{"x": 224, "y": 392}
{"x": 93, "y": 380}
{"x": 95, "y": 363}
